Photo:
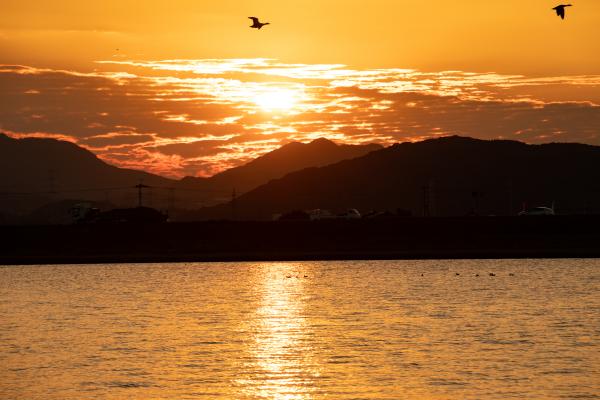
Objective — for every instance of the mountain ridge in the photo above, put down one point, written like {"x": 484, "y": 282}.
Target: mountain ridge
{"x": 36, "y": 171}
{"x": 288, "y": 158}
{"x": 449, "y": 176}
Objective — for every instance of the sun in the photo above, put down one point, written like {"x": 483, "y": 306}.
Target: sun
{"x": 276, "y": 99}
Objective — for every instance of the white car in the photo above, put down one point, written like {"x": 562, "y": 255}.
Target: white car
{"x": 351, "y": 213}
{"x": 539, "y": 211}
{"x": 319, "y": 214}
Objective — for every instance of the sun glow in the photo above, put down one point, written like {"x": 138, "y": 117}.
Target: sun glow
{"x": 277, "y": 99}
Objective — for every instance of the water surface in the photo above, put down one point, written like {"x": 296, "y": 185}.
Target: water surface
{"x": 308, "y": 330}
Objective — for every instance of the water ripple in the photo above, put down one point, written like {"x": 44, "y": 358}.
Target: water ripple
{"x": 307, "y": 330}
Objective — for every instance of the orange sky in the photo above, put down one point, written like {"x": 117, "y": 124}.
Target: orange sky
{"x": 511, "y": 36}
{"x": 346, "y": 70}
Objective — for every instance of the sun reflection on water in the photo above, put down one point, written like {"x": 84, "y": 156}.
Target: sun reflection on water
{"x": 282, "y": 352}
{"x": 307, "y": 330}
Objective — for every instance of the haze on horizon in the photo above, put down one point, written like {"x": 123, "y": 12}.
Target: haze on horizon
{"x": 186, "y": 88}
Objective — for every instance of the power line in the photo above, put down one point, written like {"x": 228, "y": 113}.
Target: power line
{"x": 63, "y": 191}
{"x": 107, "y": 189}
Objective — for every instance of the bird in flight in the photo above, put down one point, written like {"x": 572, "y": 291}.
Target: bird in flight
{"x": 560, "y": 10}
{"x": 257, "y": 24}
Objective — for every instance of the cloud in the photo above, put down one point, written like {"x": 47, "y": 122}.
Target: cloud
{"x": 191, "y": 150}
{"x": 198, "y": 117}
{"x": 110, "y": 141}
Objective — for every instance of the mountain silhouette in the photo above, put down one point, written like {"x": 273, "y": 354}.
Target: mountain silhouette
{"x": 291, "y": 157}
{"x": 34, "y": 171}
{"x": 450, "y": 176}
{"x": 38, "y": 171}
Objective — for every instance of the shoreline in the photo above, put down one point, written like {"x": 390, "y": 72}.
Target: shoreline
{"x": 254, "y": 241}
{"x": 102, "y": 260}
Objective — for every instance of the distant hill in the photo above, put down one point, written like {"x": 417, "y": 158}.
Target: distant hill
{"x": 37, "y": 171}
{"x": 35, "y": 164}
{"x": 291, "y": 157}
{"x": 34, "y": 171}
{"x": 449, "y": 176}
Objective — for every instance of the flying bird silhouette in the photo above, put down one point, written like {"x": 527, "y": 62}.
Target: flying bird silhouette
{"x": 257, "y": 24}
{"x": 560, "y": 10}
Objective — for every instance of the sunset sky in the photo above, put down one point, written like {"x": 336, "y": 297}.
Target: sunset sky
{"x": 187, "y": 88}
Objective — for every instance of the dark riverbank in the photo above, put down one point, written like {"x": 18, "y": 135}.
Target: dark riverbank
{"x": 401, "y": 238}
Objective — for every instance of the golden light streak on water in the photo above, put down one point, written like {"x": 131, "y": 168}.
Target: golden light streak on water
{"x": 280, "y": 351}
{"x": 309, "y": 330}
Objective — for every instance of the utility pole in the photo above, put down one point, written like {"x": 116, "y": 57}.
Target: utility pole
{"x": 171, "y": 200}
{"x": 432, "y": 199}
{"x": 233, "y": 205}
{"x": 475, "y": 208}
{"x": 139, "y": 187}
{"x": 51, "y": 183}
{"x": 426, "y": 201}
{"x": 510, "y": 197}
